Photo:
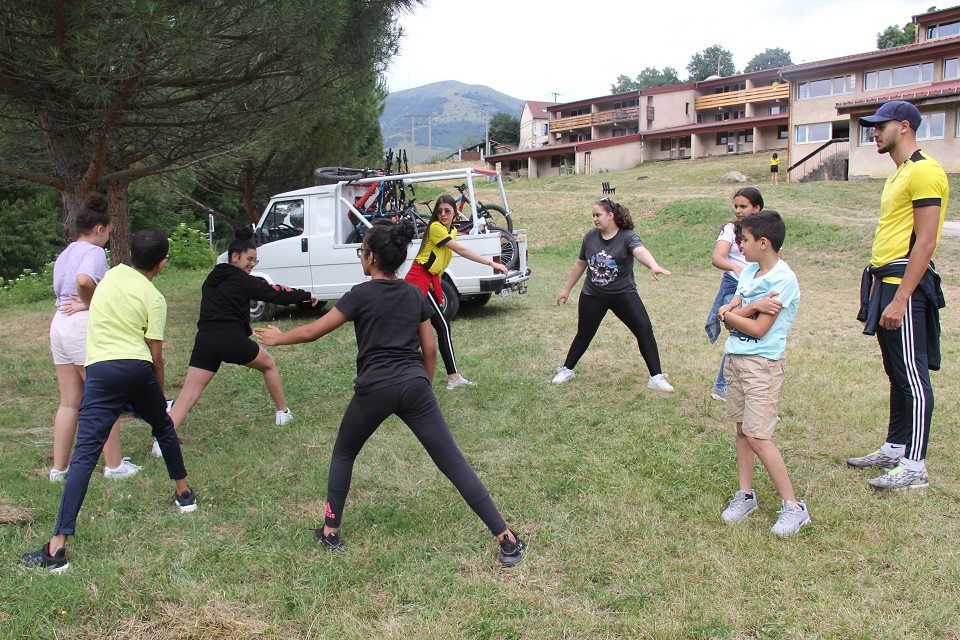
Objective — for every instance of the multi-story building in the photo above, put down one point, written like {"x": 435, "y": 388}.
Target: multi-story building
{"x": 806, "y": 112}
{"x": 829, "y": 96}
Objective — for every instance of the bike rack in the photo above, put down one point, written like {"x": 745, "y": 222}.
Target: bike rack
{"x": 434, "y": 176}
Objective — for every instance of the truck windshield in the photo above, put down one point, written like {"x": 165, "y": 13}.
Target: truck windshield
{"x": 283, "y": 220}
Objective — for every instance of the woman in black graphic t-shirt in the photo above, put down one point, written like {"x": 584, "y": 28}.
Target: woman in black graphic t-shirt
{"x": 395, "y": 363}
{"x": 606, "y": 255}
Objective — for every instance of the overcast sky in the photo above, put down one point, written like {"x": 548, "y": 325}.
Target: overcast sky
{"x": 530, "y": 48}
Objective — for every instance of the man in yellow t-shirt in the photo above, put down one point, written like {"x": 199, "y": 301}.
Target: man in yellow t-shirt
{"x": 901, "y": 294}
{"x": 124, "y": 366}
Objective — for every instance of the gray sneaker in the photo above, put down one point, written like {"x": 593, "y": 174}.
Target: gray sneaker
{"x": 742, "y": 505}
{"x": 875, "y": 459}
{"x": 791, "y": 519}
{"x": 901, "y": 478}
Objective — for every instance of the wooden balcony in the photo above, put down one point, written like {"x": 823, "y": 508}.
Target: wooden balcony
{"x": 731, "y": 98}
{"x": 626, "y": 116}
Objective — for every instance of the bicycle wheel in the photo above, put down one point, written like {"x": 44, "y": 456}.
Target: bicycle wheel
{"x": 355, "y": 236}
{"x": 509, "y": 249}
{"x": 496, "y": 216}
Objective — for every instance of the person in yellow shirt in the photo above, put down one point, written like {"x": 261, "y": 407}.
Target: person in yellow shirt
{"x": 436, "y": 251}
{"x": 901, "y": 297}
{"x": 774, "y": 169}
{"x": 124, "y": 366}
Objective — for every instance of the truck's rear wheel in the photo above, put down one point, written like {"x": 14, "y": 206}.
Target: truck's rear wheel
{"x": 261, "y": 311}
{"x": 451, "y": 300}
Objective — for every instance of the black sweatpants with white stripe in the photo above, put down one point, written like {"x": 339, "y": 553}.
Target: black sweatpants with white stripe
{"x": 904, "y": 353}
{"x": 444, "y": 337}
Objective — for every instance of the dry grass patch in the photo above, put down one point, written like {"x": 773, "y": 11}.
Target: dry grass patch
{"x": 12, "y": 514}
{"x": 186, "y": 621}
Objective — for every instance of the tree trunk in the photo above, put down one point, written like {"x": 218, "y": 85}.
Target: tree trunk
{"x": 71, "y": 200}
{"x": 248, "y": 204}
{"x": 118, "y": 204}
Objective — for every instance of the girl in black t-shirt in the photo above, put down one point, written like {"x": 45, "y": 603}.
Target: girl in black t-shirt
{"x": 395, "y": 363}
{"x": 607, "y": 255}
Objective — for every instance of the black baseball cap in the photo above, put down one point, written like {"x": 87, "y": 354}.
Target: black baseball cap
{"x": 894, "y": 110}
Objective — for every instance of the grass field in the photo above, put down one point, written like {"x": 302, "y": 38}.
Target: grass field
{"x": 617, "y": 489}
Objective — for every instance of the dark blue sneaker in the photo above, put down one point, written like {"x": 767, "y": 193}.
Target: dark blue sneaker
{"x": 511, "y": 553}
{"x": 187, "y": 501}
{"x": 41, "y": 558}
{"x": 330, "y": 541}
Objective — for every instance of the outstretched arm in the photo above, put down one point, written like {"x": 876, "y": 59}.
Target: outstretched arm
{"x": 579, "y": 266}
{"x": 272, "y": 336}
{"x": 470, "y": 254}
{"x": 643, "y": 255}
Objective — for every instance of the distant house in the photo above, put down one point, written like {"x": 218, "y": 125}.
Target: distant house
{"x": 534, "y": 125}
{"x": 476, "y": 151}
{"x": 806, "y": 112}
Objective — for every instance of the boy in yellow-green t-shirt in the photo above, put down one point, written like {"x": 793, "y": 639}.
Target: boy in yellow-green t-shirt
{"x": 124, "y": 366}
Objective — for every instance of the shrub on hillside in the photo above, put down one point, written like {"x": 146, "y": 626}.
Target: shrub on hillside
{"x": 29, "y": 286}
{"x": 190, "y": 248}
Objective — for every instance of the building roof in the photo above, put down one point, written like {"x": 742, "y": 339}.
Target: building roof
{"x": 710, "y": 127}
{"x": 538, "y": 109}
{"x": 859, "y": 58}
{"x": 579, "y": 103}
{"x": 548, "y": 150}
{"x": 668, "y": 88}
{"x": 940, "y": 89}
{"x": 714, "y": 81}
{"x": 937, "y": 16}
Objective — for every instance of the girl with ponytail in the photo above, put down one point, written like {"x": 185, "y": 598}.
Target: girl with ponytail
{"x": 395, "y": 364}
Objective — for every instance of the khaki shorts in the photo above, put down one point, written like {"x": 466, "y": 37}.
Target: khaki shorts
{"x": 68, "y": 338}
{"x": 753, "y": 388}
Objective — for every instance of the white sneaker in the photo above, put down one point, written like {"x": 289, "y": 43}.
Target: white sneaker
{"x": 791, "y": 519}
{"x": 126, "y": 469}
{"x": 283, "y": 417}
{"x": 459, "y": 382}
{"x": 742, "y": 505}
{"x": 563, "y": 374}
{"x": 58, "y": 476}
{"x": 155, "y": 450}
{"x": 659, "y": 383}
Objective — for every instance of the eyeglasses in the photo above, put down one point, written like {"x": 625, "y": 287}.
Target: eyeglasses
{"x": 359, "y": 251}
{"x": 167, "y": 258}
{"x": 252, "y": 261}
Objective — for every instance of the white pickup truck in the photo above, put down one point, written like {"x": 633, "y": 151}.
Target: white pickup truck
{"x": 303, "y": 242}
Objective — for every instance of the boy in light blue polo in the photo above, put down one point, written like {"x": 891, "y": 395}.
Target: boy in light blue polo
{"x": 759, "y": 318}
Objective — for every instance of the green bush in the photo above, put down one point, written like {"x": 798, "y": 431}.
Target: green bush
{"x": 29, "y": 286}
{"x": 32, "y": 230}
{"x": 190, "y": 248}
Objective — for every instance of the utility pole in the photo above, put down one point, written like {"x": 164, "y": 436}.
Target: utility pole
{"x": 486, "y": 135}
{"x": 555, "y": 96}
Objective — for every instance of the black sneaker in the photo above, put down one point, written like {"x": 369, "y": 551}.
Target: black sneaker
{"x": 330, "y": 541}
{"x": 187, "y": 501}
{"x": 511, "y": 553}
{"x": 41, "y": 558}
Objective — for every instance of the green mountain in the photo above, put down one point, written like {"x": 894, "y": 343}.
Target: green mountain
{"x": 457, "y": 113}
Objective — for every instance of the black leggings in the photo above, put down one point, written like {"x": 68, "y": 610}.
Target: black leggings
{"x": 629, "y": 309}
{"x": 414, "y": 403}
{"x": 444, "y": 337}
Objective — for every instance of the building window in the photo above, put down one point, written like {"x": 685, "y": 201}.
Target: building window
{"x": 814, "y": 132}
{"x": 544, "y": 129}
{"x": 825, "y": 87}
{"x": 721, "y": 139}
{"x": 932, "y": 126}
{"x": 666, "y": 144}
{"x": 576, "y": 112}
{"x": 951, "y": 68}
{"x": 556, "y": 161}
{"x": 749, "y": 137}
{"x": 776, "y": 109}
{"x": 944, "y": 30}
{"x": 782, "y": 132}
{"x": 898, "y": 76}
{"x": 619, "y": 132}
{"x": 866, "y": 136}
{"x": 686, "y": 108}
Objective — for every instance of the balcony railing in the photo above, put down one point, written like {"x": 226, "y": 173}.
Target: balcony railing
{"x": 612, "y": 116}
{"x": 780, "y": 91}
